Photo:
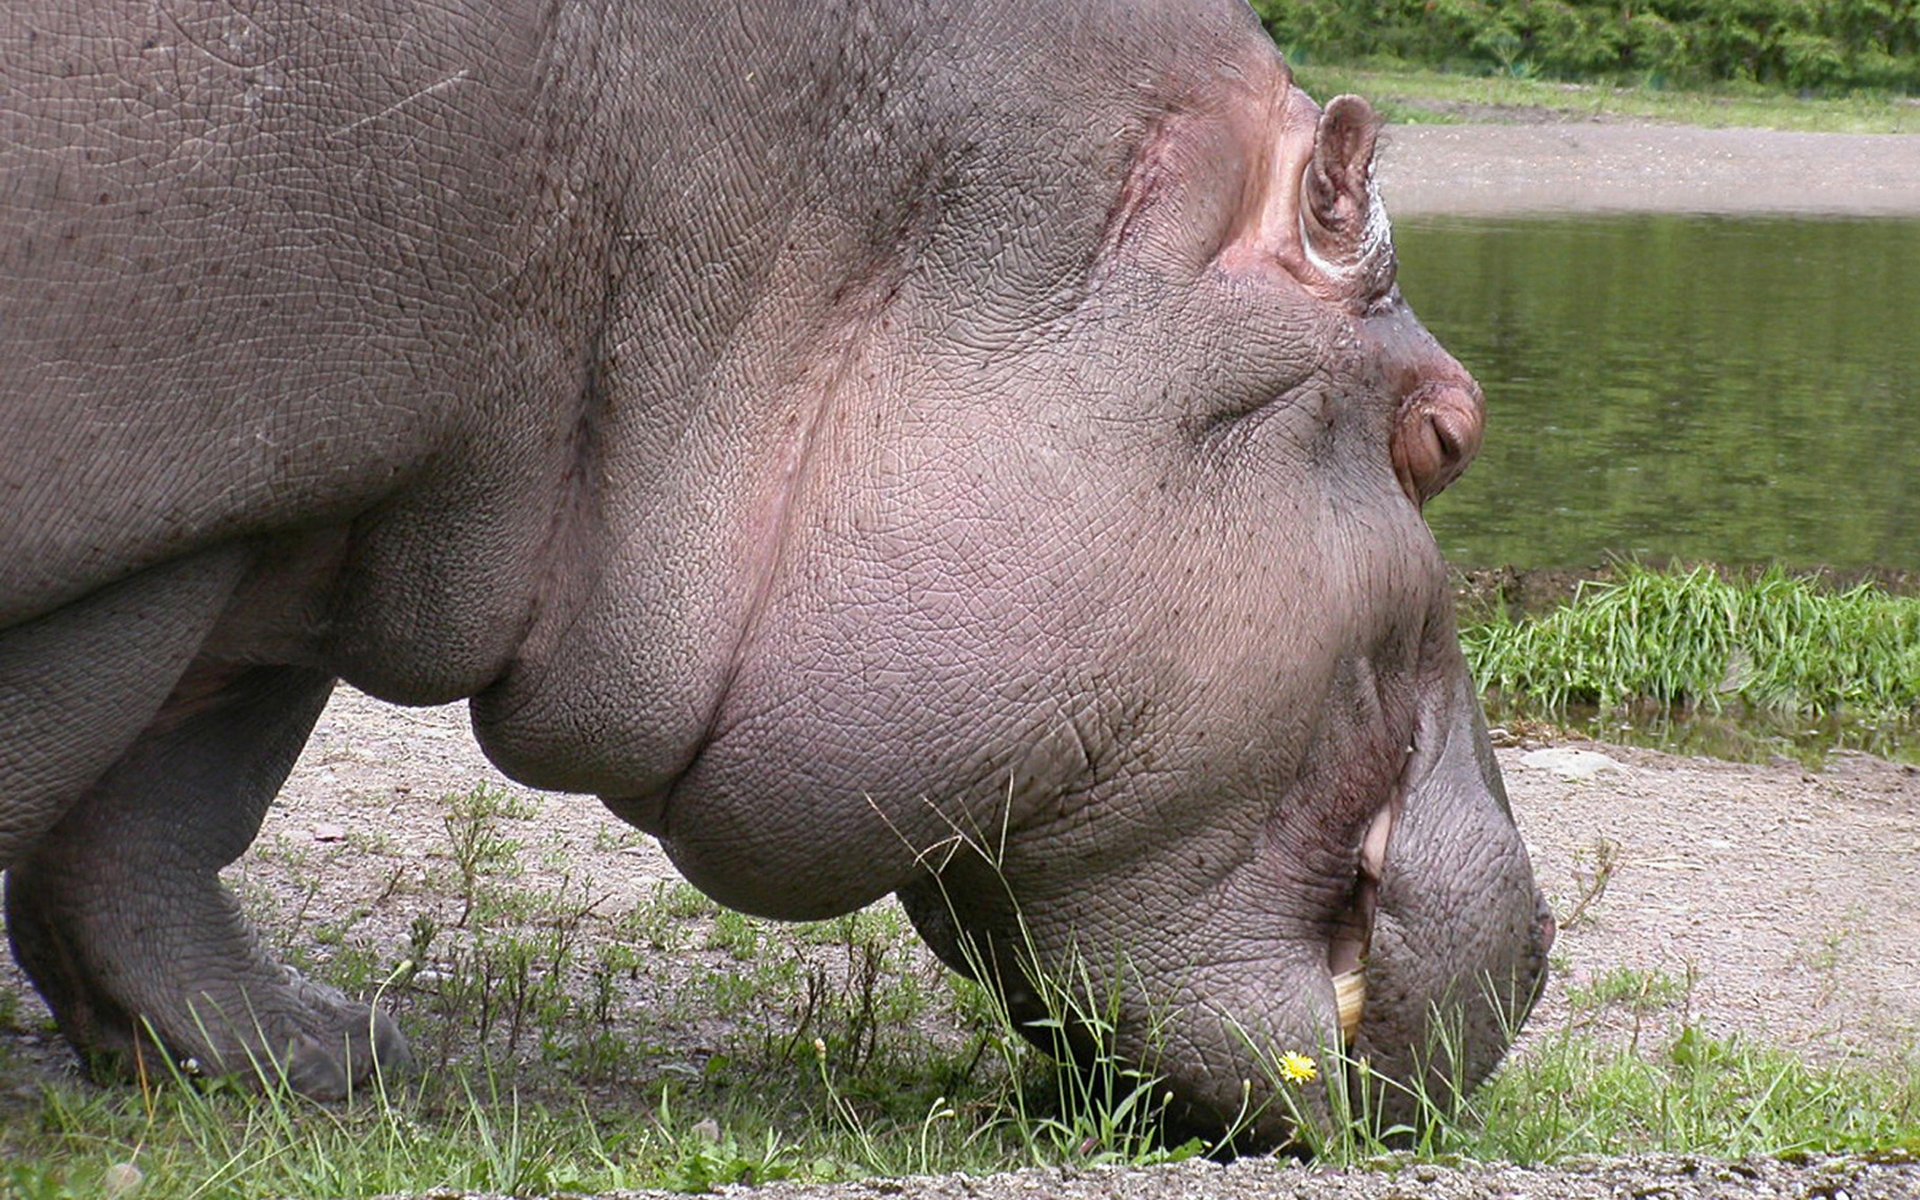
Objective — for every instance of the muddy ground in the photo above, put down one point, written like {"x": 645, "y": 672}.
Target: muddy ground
{"x": 1785, "y": 900}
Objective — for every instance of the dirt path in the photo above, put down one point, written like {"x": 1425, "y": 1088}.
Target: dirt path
{"x": 1509, "y": 169}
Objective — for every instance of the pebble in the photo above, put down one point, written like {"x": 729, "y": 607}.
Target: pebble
{"x": 1569, "y": 763}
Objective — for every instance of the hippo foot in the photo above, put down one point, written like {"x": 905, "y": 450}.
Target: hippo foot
{"x": 118, "y": 915}
{"x": 305, "y": 1035}
{"x": 152, "y": 1000}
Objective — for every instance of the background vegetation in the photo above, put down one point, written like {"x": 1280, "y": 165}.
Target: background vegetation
{"x": 1818, "y": 46}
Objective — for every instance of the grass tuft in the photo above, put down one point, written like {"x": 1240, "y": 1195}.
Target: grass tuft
{"x": 1688, "y": 1093}
{"x": 1695, "y": 639}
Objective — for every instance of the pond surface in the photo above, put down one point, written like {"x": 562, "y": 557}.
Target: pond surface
{"x": 1731, "y": 391}
{"x": 1734, "y": 391}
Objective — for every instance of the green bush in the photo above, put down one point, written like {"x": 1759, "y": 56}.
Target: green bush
{"x": 1801, "y": 45}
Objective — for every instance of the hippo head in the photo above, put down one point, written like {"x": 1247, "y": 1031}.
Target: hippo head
{"x": 1088, "y": 602}
{"x": 1124, "y": 645}
{"x": 1265, "y": 812}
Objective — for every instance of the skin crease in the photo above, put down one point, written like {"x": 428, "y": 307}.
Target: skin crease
{"x": 841, "y": 453}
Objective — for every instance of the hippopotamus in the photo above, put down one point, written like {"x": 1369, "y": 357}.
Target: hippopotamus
{"x": 972, "y": 452}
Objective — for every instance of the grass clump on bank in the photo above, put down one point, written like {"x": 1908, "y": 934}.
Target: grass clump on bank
{"x": 1694, "y": 639}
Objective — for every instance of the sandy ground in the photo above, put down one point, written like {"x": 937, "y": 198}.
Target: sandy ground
{"x": 1783, "y": 899}
{"x": 1520, "y": 169}
{"x": 1788, "y": 896}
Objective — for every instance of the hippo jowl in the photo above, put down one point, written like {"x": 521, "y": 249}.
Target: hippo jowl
{"x": 815, "y": 430}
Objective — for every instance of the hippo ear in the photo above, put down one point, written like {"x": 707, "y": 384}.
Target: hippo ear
{"x": 1341, "y": 219}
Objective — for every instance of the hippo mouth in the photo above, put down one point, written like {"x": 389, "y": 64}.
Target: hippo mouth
{"x": 1351, "y": 939}
{"x": 1352, "y": 936}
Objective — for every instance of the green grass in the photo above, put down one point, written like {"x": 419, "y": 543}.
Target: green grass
{"x": 1698, "y": 639}
{"x": 533, "y": 1085}
{"x": 1629, "y": 987}
{"x": 1566, "y": 1095}
{"x": 1686, "y": 1093}
{"x": 1417, "y": 96}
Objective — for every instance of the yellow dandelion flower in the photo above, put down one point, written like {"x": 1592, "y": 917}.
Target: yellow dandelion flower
{"x": 1298, "y": 1068}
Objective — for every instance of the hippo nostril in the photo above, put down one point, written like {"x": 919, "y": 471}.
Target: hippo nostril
{"x": 1452, "y": 439}
{"x": 1435, "y": 438}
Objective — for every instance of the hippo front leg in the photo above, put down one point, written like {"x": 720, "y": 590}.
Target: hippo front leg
{"x": 119, "y": 917}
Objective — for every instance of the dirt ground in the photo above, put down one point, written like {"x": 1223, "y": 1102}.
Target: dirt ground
{"x": 1780, "y": 901}
{"x": 1788, "y": 897}
{"x": 1595, "y": 167}
{"x": 1784, "y": 900}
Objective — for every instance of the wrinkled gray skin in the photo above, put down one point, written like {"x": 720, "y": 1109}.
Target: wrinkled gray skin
{"x": 823, "y": 432}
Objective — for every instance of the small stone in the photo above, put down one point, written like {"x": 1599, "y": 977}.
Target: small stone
{"x": 329, "y": 833}
{"x": 120, "y": 1180}
{"x": 1569, "y": 763}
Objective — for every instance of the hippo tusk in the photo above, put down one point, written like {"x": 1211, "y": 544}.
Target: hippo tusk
{"x": 1350, "y": 997}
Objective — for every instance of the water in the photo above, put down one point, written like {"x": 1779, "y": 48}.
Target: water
{"x": 1736, "y": 735}
{"x": 1733, "y": 391}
